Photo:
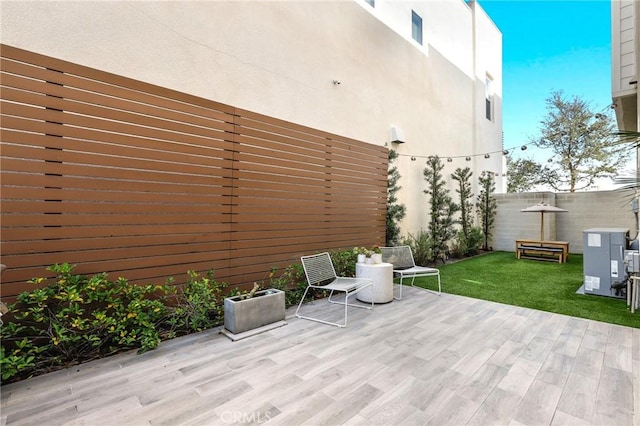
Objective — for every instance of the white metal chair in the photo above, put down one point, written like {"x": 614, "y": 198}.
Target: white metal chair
{"x": 405, "y": 267}
{"x": 322, "y": 275}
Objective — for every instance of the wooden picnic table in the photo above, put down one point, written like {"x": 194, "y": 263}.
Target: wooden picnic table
{"x": 542, "y": 250}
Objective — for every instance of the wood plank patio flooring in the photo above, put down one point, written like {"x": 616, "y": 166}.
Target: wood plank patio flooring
{"x": 427, "y": 359}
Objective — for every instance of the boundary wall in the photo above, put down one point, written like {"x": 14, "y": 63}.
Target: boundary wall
{"x": 598, "y": 209}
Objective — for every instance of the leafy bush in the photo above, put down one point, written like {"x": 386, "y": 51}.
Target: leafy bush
{"x": 77, "y": 319}
{"x": 421, "y": 245}
{"x": 468, "y": 245}
{"x": 344, "y": 262}
{"x": 198, "y": 305}
{"x": 292, "y": 281}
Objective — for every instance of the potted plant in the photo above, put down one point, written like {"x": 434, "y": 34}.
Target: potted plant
{"x": 368, "y": 254}
{"x": 361, "y": 252}
{"x": 376, "y": 254}
{"x": 253, "y": 312}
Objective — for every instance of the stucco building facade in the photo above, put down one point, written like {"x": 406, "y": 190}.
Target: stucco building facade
{"x": 625, "y": 48}
{"x": 429, "y": 70}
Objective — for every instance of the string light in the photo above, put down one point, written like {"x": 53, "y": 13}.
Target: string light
{"x": 599, "y": 116}
{"x": 450, "y": 159}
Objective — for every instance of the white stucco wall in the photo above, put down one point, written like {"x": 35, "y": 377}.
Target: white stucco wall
{"x": 625, "y": 60}
{"x": 280, "y": 59}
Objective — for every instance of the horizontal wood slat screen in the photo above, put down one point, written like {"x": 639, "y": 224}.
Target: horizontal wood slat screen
{"x": 120, "y": 176}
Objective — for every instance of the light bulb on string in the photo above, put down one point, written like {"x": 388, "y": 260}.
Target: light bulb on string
{"x": 487, "y": 156}
{"x": 449, "y": 160}
{"x": 523, "y": 147}
{"x": 468, "y": 158}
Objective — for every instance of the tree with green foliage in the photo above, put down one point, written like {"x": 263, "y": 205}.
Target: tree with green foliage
{"x": 523, "y": 174}
{"x": 463, "y": 179}
{"x": 395, "y": 211}
{"x": 583, "y": 144}
{"x": 469, "y": 237}
{"x": 487, "y": 206}
{"x": 442, "y": 209}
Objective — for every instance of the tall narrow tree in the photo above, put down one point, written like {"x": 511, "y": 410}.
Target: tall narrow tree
{"x": 487, "y": 205}
{"x": 442, "y": 209}
{"x": 395, "y": 210}
{"x": 463, "y": 179}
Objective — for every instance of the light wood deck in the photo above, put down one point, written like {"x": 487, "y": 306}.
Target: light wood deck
{"x": 427, "y": 359}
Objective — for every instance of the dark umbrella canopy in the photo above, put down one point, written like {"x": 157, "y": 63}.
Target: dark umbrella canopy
{"x": 543, "y": 208}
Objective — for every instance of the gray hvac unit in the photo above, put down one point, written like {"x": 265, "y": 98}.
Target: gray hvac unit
{"x": 604, "y": 265}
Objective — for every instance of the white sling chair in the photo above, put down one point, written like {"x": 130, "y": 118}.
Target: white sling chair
{"x": 405, "y": 267}
{"x": 322, "y": 275}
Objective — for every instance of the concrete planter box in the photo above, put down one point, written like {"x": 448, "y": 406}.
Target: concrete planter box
{"x": 246, "y": 317}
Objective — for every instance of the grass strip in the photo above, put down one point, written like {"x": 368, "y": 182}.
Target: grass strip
{"x": 546, "y": 286}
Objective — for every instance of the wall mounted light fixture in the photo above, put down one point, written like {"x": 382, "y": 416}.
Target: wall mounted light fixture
{"x": 396, "y": 135}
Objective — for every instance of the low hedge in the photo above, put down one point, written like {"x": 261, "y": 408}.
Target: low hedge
{"x": 76, "y": 318}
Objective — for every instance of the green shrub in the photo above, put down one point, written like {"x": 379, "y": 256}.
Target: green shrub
{"x": 199, "y": 305}
{"x": 77, "y": 319}
{"x": 292, "y": 281}
{"x": 468, "y": 245}
{"x": 344, "y": 262}
{"x": 421, "y": 245}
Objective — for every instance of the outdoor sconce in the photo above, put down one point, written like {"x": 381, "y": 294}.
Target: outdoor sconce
{"x": 396, "y": 135}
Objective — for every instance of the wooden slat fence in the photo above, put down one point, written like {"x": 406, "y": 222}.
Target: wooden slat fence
{"x": 144, "y": 182}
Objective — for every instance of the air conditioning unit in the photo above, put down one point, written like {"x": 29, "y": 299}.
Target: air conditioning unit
{"x": 605, "y": 269}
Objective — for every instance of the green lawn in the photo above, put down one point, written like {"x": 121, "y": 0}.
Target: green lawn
{"x": 546, "y": 286}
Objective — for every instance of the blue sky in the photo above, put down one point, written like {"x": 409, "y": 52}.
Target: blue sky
{"x": 550, "y": 45}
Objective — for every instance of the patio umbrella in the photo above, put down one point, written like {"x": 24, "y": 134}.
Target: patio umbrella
{"x": 543, "y": 208}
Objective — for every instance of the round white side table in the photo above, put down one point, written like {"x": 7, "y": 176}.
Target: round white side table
{"x": 382, "y": 276}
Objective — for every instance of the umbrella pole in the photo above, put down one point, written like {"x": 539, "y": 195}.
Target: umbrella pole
{"x": 541, "y": 226}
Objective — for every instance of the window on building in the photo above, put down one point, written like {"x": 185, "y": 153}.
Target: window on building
{"x": 372, "y": 3}
{"x": 416, "y": 27}
{"x": 488, "y": 98}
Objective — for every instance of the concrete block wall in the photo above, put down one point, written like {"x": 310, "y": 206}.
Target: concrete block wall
{"x": 601, "y": 209}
